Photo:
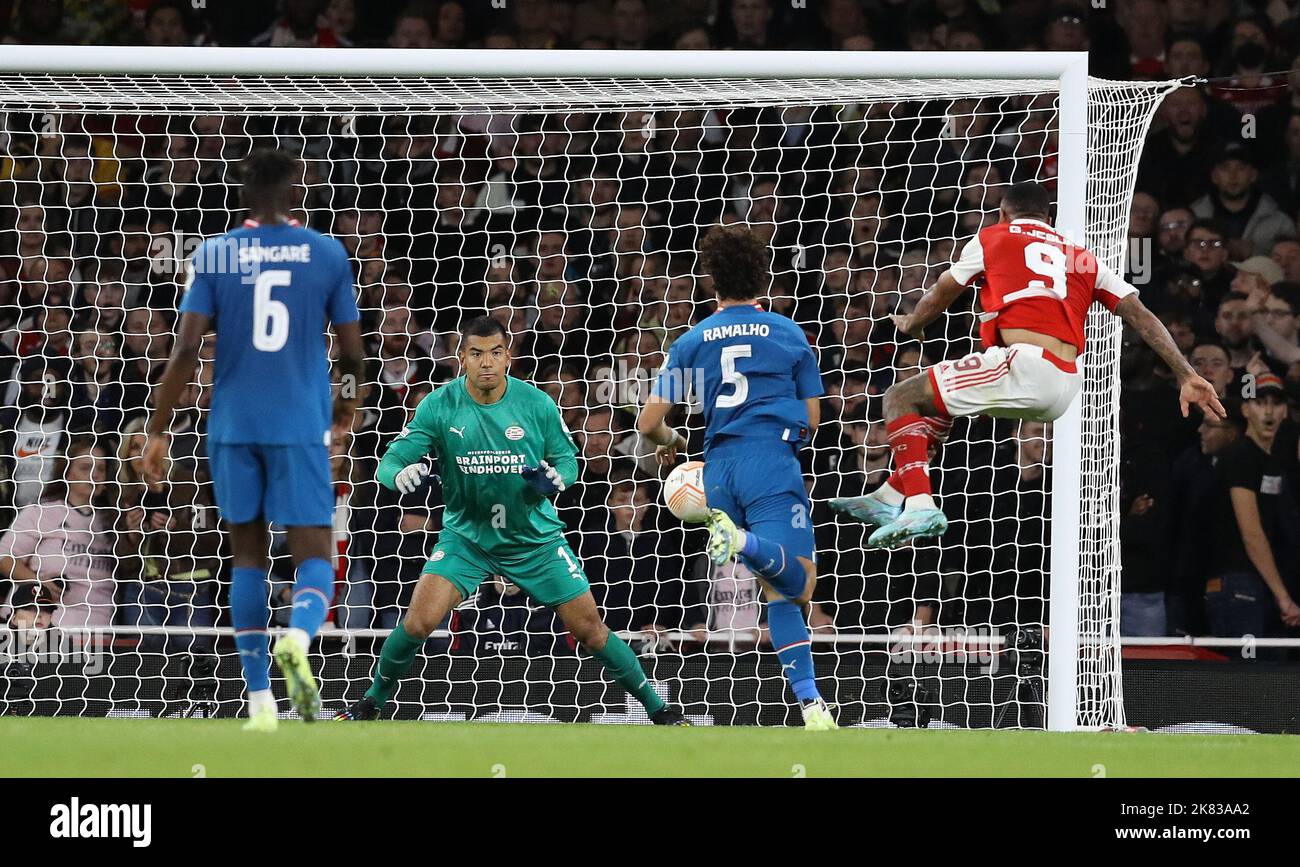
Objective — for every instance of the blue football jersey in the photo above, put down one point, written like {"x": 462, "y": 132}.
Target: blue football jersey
{"x": 271, "y": 292}
{"x": 750, "y": 369}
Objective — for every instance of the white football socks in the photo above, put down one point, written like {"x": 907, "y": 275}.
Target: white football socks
{"x": 298, "y": 637}
{"x": 919, "y": 501}
{"x": 888, "y": 495}
{"x": 259, "y": 700}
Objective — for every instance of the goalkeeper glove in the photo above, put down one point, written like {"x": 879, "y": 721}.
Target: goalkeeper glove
{"x": 544, "y": 478}
{"x": 409, "y": 479}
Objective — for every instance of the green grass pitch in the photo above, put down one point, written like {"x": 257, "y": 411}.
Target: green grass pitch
{"x": 70, "y": 747}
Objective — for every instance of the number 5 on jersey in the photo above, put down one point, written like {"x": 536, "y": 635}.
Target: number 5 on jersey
{"x": 733, "y": 377}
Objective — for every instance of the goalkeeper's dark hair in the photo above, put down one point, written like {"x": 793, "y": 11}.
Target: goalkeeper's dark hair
{"x": 737, "y": 259}
{"x": 1027, "y": 199}
{"x": 484, "y": 326}
{"x": 267, "y": 176}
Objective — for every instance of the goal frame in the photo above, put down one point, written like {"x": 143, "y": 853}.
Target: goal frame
{"x": 1069, "y": 69}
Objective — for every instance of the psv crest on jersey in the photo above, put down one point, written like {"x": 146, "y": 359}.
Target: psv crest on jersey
{"x": 514, "y": 432}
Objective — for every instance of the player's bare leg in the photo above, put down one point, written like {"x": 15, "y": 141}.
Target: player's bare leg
{"x": 250, "y": 614}
{"x": 433, "y": 598}
{"x": 581, "y": 617}
{"x": 903, "y": 508}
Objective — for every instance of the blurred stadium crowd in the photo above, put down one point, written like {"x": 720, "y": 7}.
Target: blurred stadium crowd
{"x": 578, "y": 231}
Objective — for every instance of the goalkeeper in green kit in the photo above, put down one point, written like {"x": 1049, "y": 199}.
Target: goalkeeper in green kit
{"x": 502, "y": 451}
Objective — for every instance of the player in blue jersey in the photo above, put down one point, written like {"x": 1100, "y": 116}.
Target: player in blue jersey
{"x": 269, "y": 289}
{"x": 757, "y": 380}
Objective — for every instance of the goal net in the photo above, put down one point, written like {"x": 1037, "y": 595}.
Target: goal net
{"x": 569, "y": 208}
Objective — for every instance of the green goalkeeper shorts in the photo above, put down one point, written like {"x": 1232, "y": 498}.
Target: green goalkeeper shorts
{"x": 549, "y": 573}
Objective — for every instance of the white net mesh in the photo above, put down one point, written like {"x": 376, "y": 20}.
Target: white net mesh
{"x": 571, "y": 210}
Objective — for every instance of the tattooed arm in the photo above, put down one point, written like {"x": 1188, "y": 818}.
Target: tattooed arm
{"x": 1192, "y": 388}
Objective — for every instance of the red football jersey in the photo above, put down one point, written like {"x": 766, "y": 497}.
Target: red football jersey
{"x": 1033, "y": 278}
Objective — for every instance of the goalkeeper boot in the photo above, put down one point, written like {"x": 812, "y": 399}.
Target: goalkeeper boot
{"x": 911, "y": 524}
{"x": 291, "y": 658}
{"x": 725, "y": 539}
{"x": 817, "y": 716}
{"x": 261, "y": 720}
{"x": 669, "y": 716}
{"x": 868, "y": 510}
{"x": 360, "y": 711}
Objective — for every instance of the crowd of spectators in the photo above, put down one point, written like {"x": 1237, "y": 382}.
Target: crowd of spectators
{"x": 577, "y": 230}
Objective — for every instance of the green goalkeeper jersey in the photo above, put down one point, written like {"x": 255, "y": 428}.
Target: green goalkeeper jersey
{"x": 481, "y": 451}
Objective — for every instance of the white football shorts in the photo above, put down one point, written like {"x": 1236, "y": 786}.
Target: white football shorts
{"x": 1018, "y": 381}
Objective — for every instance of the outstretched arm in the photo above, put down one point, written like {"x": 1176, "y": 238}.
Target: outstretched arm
{"x": 561, "y": 453}
{"x": 1192, "y": 388}
{"x": 651, "y": 425}
{"x": 937, "y": 299}
{"x": 179, "y": 370}
{"x": 1275, "y": 344}
{"x": 409, "y": 450}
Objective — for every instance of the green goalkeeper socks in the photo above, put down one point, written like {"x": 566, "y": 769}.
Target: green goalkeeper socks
{"x": 394, "y": 661}
{"x": 623, "y": 666}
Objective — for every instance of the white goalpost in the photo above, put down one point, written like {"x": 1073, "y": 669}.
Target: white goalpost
{"x": 564, "y": 192}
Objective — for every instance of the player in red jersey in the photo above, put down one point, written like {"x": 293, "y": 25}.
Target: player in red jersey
{"x": 1035, "y": 292}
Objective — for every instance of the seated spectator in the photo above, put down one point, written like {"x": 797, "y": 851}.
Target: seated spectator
{"x": 1171, "y": 235}
{"x": 302, "y": 26}
{"x": 1142, "y": 214}
{"x": 34, "y": 427}
{"x": 1286, "y": 253}
{"x": 412, "y": 29}
{"x": 341, "y": 16}
{"x": 1282, "y": 177}
{"x": 59, "y": 551}
{"x": 451, "y": 24}
{"x": 1246, "y": 85}
{"x": 731, "y": 601}
{"x": 695, "y": 38}
{"x": 102, "y": 307}
{"x": 1247, "y": 591}
{"x": 1211, "y": 361}
{"x": 146, "y": 345}
{"x": 166, "y": 23}
{"x": 1146, "y": 24}
{"x": 101, "y": 400}
{"x": 1181, "y": 330}
{"x": 1236, "y": 332}
{"x": 398, "y": 361}
{"x": 173, "y": 537}
{"x": 1250, "y": 216}
{"x": 1176, "y": 161}
{"x": 1274, "y": 139}
{"x": 1255, "y": 274}
{"x": 1274, "y": 320}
